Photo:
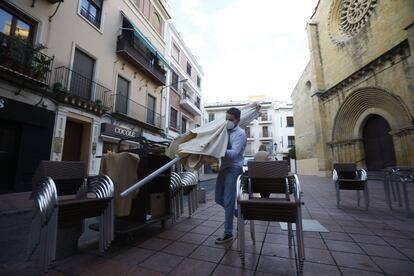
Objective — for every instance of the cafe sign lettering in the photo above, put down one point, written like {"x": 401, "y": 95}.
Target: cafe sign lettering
{"x": 124, "y": 131}
{"x": 117, "y": 131}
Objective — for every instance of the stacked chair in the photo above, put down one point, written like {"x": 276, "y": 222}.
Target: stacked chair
{"x": 177, "y": 196}
{"x": 190, "y": 186}
{"x": 346, "y": 177}
{"x": 93, "y": 197}
{"x": 270, "y": 177}
{"x": 183, "y": 184}
{"x": 393, "y": 177}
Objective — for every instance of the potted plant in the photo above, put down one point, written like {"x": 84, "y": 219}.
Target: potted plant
{"x": 58, "y": 87}
{"x": 39, "y": 63}
{"x": 40, "y": 67}
{"x": 292, "y": 153}
{"x": 17, "y": 53}
{"x": 99, "y": 103}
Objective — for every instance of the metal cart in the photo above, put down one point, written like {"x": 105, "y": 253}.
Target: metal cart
{"x": 152, "y": 203}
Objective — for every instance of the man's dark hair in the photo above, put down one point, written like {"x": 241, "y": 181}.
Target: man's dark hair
{"x": 234, "y": 111}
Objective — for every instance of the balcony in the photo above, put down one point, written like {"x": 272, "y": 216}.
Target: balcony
{"x": 266, "y": 135}
{"x": 265, "y": 119}
{"x": 20, "y": 60}
{"x": 80, "y": 91}
{"x": 190, "y": 104}
{"x": 249, "y": 136}
{"x": 126, "y": 107}
{"x": 138, "y": 55}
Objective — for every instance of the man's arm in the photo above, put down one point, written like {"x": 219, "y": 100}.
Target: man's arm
{"x": 237, "y": 146}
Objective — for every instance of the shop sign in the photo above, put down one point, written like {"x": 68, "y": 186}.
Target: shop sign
{"x": 117, "y": 131}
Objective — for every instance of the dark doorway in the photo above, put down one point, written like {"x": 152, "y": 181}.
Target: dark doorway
{"x": 9, "y": 153}
{"x": 378, "y": 144}
{"x": 73, "y": 141}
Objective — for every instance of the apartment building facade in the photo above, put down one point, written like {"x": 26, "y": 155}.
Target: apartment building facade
{"x": 75, "y": 77}
{"x": 184, "y": 93}
{"x": 274, "y": 128}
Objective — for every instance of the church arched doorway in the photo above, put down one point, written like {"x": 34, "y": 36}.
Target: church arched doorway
{"x": 378, "y": 144}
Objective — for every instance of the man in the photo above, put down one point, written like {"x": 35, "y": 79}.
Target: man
{"x": 231, "y": 167}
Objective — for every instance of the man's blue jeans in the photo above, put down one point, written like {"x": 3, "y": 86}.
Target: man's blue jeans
{"x": 226, "y": 194}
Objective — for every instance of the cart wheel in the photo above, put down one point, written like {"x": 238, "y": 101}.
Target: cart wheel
{"x": 163, "y": 223}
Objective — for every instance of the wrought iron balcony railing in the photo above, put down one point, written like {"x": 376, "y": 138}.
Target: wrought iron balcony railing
{"x": 137, "y": 54}
{"x": 134, "y": 110}
{"x": 23, "y": 59}
{"x": 265, "y": 135}
{"x": 81, "y": 86}
{"x": 94, "y": 19}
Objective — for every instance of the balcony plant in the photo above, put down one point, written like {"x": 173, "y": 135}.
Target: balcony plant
{"x": 99, "y": 103}
{"x": 58, "y": 87}
{"x": 25, "y": 58}
{"x": 292, "y": 153}
{"x": 40, "y": 65}
{"x": 17, "y": 53}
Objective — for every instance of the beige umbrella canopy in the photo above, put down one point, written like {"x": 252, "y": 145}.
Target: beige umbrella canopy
{"x": 208, "y": 142}
{"x": 200, "y": 145}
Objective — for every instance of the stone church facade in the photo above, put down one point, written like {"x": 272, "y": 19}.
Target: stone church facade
{"x": 355, "y": 99}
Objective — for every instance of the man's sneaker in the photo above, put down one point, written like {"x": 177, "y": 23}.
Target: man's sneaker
{"x": 226, "y": 238}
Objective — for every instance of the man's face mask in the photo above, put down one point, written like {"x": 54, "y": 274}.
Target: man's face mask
{"x": 230, "y": 125}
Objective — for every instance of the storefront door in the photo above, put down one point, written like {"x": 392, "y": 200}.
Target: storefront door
{"x": 73, "y": 141}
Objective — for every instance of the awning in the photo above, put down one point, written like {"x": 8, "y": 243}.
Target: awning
{"x": 146, "y": 42}
{"x": 154, "y": 138}
{"x": 116, "y": 140}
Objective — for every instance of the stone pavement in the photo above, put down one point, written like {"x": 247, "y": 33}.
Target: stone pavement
{"x": 374, "y": 242}
{"x": 208, "y": 176}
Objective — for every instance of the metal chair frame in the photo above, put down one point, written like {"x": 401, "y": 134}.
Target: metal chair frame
{"x": 395, "y": 177}
{"x": 45, "y": 218}
{"x": 271, "y": 212}
{"x": 357, "y": 182}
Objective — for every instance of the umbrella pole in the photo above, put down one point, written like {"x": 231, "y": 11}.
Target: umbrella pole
{"x": 150, "y": 177}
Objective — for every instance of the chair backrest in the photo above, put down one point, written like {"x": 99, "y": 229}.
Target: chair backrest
{"x": 67, "y": 175}
{"x": 345, "y": 170}
{"x": 268, "y": 176}
{"x": 268, "y": 169}
{"x": 269, "y": 210}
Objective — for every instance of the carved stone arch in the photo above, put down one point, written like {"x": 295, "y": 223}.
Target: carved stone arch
{"x": 347, "y": 144}
{"x": 360, "y": 104}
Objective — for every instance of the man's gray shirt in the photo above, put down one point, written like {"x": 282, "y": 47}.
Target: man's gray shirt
{"x": 235, "y": 149}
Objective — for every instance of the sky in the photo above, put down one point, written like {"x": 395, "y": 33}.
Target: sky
{"x": 246, "y": 47}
